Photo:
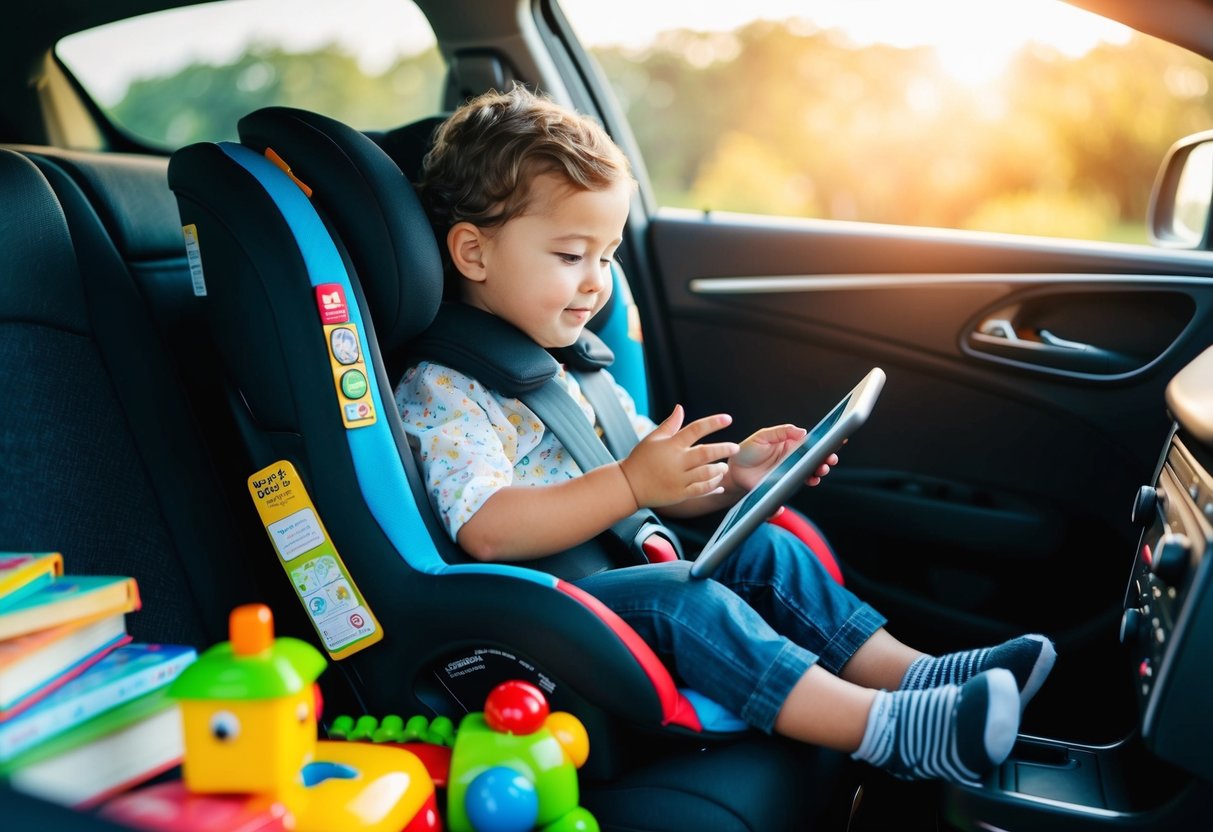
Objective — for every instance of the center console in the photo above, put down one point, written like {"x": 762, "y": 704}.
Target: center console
{"x": 1159, "y": 777}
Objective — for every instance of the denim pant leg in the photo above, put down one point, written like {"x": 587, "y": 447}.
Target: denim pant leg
{"x": 781, "y": 578}
{"x": 714, "y": 640}
{"x": 747, "y": 635}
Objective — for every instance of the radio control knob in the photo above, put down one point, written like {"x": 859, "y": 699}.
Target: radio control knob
{"x": 1171, "y": 559}
{"x": 1144, "y": 505}
{"x": 1132, "y": 623}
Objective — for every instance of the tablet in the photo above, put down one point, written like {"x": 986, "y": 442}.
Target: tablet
{"x": 784, "y": 479}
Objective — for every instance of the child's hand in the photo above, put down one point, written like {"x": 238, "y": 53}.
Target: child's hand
{"x": 667, "y": 467}
{"x": 830, "y": 462}
{"x": 824, "y": 469}
{"x": 759, "y": 453}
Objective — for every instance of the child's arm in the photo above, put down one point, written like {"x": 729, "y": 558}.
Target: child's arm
{"x": 523, "y": 522}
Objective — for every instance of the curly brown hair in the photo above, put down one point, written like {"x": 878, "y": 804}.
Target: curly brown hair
{"x": 487, "y": 154}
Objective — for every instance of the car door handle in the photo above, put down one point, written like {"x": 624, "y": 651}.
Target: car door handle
{"x": 998, "y": 336}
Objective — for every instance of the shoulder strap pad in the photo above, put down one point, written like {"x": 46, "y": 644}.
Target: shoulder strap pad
{"x": 486, "y": 348}
{"x": 588, "y": 353}
{"x": 499, "y": 354}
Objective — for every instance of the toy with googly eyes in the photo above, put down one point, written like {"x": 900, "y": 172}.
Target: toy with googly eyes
{"x": 249, "y": 709}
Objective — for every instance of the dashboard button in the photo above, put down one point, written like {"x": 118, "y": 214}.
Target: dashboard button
{"x": 1170, "y": 562}
{"x": 1144, "y": 505}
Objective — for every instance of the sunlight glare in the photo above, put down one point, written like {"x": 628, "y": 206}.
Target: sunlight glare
{"x": 974, "y": 40}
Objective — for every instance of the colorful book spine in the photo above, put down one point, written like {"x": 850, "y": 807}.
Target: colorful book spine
{"x": 21, "y": 574}
{"x": 67, "y": 599}
{"x": 36, "y": 693}
{"x": 124, "y": 674}
{"x": 116, "y": 756}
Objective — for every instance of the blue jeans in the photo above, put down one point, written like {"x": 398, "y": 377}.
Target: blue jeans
{"x": 745, "y": 636}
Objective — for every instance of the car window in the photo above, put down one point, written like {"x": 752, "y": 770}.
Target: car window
{"x": 1024, "y": 116}
{"x": 189, "y": 74}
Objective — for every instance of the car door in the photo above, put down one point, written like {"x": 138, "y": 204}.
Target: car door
{"x": 990, "y": 493}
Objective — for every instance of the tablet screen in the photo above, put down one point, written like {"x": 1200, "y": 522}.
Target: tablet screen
{"x": 785, "y": 478}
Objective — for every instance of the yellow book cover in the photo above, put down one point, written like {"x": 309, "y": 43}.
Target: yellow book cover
{"x": 22, "y": 573}
{"x": 67, "y": 599}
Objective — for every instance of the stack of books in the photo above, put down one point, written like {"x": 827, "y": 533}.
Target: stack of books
{"x": 83, "y": 714}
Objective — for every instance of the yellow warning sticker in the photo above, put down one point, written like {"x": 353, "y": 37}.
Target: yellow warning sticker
{"x": 338, "y": 611}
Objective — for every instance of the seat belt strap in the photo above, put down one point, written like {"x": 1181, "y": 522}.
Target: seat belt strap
{"x": 563, "y": 416}
{"x": 617, "y": 431}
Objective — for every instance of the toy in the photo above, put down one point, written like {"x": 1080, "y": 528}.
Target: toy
{"x": 429, "y": 741}
{"x": 250, "y": 711}
{"x": 171, "y": 807}
{"x": 514, "y": 766}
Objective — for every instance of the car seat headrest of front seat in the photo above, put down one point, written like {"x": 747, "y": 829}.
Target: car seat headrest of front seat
{"x": 387, "y": 227}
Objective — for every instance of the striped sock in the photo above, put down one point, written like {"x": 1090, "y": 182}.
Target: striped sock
{"x": 1029, "y": 658}
{"x": 950, "y": 732}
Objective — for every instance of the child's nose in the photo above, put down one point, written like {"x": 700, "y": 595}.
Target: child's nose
{"x": 595, "y": 278}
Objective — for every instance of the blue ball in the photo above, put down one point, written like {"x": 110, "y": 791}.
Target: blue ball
{"x": 500, "y": 799}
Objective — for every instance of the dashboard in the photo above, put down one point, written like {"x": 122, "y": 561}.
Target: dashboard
{"x": 1168, "y": 618}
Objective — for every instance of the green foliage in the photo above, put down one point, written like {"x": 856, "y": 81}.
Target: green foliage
{"x": 777, "y": 119}
{"x": 203, "y": 102}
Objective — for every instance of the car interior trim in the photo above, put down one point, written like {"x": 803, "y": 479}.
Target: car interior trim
{"x": 776, "y": 284}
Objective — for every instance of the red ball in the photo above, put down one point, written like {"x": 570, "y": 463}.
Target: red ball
{"x": 515, "y": 708}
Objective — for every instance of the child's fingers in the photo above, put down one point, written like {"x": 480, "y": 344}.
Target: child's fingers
{"x": 706, "y": 478}
{"x": 779, "y": 433}
{"x": 699, "y": 454}
{"x": 672, "y": 423}
{"x": 708, "y": 471}
{"x": 700, "y": 428}
{"x": 818, "y": 474}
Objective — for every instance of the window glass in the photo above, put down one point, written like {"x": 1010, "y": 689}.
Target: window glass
{"x": 1023, "y": 116}
{"x": 189, "y": 74}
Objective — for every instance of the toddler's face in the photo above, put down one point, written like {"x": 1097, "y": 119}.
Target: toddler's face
{"x": 548, "y": 271}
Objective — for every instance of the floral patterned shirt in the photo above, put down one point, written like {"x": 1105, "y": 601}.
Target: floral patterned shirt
{"x": 471, "y": 441}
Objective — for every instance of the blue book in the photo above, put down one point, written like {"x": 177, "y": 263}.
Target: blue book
{"x": 128, "y": 672}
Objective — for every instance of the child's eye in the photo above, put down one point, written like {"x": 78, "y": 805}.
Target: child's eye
{"x": 571, "y": 259}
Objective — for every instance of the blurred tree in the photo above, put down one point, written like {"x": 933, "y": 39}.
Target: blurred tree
{"x": 782, "y": 118}
{"x": 203, "y": 102}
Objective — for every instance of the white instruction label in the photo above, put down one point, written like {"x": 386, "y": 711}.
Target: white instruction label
{"x": 296, "y": 534}
{"x": 194, "y": 256}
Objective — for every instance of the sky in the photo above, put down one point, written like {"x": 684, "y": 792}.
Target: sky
{"x": 975, "y": 39}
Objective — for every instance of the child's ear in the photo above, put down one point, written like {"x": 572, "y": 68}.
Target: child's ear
{"x": 465, "y": 242}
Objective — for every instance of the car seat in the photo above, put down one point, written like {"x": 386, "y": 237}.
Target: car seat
{"x": 305, "y": 205}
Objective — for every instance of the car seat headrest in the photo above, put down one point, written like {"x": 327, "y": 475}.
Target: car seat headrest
{"x": 372, "y": 207}
{"x": 408, "y": 144}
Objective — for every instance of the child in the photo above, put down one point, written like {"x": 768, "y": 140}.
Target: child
{"x": 532, "y": 199}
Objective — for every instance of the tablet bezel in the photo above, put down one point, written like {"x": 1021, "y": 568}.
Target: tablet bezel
{"x": 857, "y": 406}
